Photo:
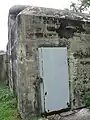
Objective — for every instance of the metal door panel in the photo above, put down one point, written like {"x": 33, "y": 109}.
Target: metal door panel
{"x": 54, "y": 71}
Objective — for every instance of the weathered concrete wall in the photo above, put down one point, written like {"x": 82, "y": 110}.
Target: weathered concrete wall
{"x": 37, "y": 27}
{"x": 12, "y": 46}
{"x": 3, "y": 67}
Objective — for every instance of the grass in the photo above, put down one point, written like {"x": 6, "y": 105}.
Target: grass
{"x": 87, "y": 99}
{"x": 8, "y": 105}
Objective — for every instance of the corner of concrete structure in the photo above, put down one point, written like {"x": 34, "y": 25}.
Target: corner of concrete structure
{"x": 16, "y": 9}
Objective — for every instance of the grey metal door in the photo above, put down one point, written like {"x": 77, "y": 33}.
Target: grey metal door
{"x": 54, "y": 72}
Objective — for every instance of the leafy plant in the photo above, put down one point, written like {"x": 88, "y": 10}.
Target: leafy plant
{"x": 8, "y": 105}
{"x": 87, "y": 99}
{"x": 80, "y": 6}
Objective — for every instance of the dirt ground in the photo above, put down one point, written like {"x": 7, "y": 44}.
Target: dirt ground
{"x": 83, "y": 114}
